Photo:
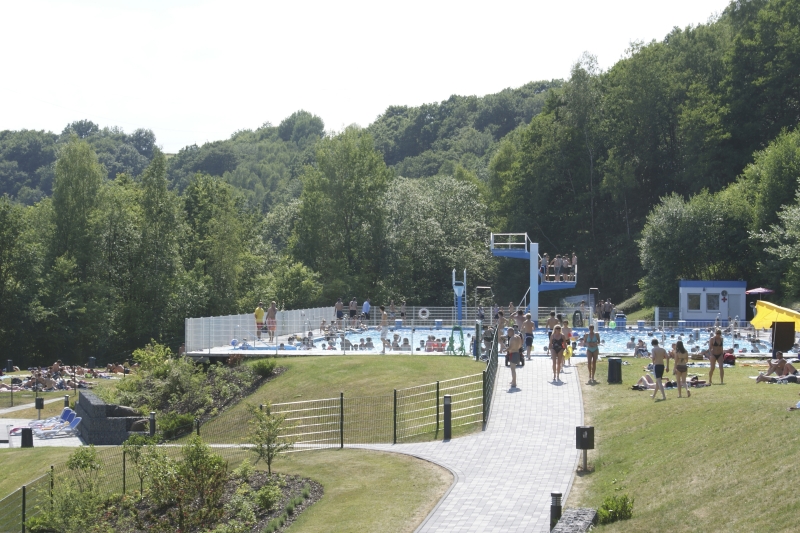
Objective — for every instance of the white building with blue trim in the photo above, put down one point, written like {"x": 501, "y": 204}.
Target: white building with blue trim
{"x": 702, "y": 302}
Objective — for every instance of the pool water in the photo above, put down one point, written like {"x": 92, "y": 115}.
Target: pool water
{"x": 612, "y": 341}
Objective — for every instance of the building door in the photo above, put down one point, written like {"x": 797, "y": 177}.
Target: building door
{"x": 735, "y": 306}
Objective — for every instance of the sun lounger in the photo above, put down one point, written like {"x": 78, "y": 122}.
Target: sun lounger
{"x": 69, "y": 431}
{"x": 60, "y": 419}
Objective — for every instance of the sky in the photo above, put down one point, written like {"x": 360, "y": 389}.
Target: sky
{"x": 198, "y": 71}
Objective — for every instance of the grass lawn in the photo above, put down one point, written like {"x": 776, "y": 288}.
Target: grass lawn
{"x": 367, "y": 491}
{"x": 723, "y": 460}
{"x": 19, "y": 466}
{"x": 313, "y": 378}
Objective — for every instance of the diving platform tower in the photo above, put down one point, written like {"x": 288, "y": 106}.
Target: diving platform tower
{"x": 519, "y": 246}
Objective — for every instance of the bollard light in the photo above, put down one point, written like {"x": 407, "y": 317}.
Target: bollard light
{"x": 555, "y": 508}
{"x": 66, "y": 400}
{"x": 152, "y": 423}
{"x": 448, "y": 418}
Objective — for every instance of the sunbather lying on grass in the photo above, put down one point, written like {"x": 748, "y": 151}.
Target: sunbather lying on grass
{"x": 789, "y": 375}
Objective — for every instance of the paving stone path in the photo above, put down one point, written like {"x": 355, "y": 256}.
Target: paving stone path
{"x": 504, "y": 475}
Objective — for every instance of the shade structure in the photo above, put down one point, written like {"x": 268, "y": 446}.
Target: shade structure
{"x": 759, "y": 290}
{"x": 767, "y": 313}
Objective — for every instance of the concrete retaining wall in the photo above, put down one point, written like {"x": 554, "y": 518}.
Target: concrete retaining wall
{"x": 96, "y": 426}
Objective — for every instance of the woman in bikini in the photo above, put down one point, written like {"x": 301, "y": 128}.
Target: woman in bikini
{"x": 592, "y": 342}
{"x": 681, "y": 357}
{"x": 557, "y": 345}
{"x": 715, "y": 355}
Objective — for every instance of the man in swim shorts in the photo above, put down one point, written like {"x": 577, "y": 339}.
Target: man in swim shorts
{"x": 272, "y": 323}
{"x": 527, "y": 333}
{"x": 353, "y": 308}
{"x": 514, "y": 348}
{"x": 659, "y": 356}
{"x": 259, "y": 314}
{"x": 338, "y": 312}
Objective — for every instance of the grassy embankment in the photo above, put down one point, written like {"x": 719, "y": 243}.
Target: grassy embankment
{"x": 311, "y": 378}
{"x": 723, "y": 460}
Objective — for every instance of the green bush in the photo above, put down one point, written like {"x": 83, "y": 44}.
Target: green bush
{"x": 267, "y": 496}
{"x": 244, "y": 470}
{"x": 615, "y": 508}
{"x": 173, "y": 425}
{"x": 264, "y": 367}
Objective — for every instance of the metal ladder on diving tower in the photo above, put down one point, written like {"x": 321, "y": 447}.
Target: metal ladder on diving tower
{"x": 519, "y": 246}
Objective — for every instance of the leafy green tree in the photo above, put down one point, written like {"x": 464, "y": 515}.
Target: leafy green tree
{"x": 341, "y": 219}
{"x": 266, "y": 430}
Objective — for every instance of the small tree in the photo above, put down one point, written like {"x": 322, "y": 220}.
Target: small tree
{"x": 134, "y": 450}
{"x": 83, "y": 462}
{"x": 265, "y": 434}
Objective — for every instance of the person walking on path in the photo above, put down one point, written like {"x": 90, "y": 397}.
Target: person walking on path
{"x": 681, "y": 367}
{"x": 592, "y": 342}
{"x": 259, "y": 314}
{"x": 514, "y": 349}
{"x": 384, "y": 329}
{"x": 527, "y": 333}
{"x": 272, "y": 322}
{"x": 716, "y": 354}
{"x": 557, "y": 344}
{"x": 659, "y": 356}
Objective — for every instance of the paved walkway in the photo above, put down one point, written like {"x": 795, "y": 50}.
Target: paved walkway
{"x": 504, "y": 475}
{"x": 20, "y": 407}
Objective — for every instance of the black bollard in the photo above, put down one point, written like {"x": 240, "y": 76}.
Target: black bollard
{"x": 555, "y": 508}
{"x": 448, "y": 417}
{"x": 66, "y": 400}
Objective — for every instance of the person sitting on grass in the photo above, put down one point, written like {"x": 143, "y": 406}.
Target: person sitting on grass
{"x": 789, "y": 375}
{"x": 776, "y": 365}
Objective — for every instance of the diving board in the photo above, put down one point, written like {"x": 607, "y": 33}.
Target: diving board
{"x": 519, "y": 246}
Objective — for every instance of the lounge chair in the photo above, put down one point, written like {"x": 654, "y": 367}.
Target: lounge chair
{"x": 60, "y": 419}
{"x": 69, "y": 431}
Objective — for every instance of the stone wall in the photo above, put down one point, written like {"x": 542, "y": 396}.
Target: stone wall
{"x": 96, "y": 426}
{"x": 576, "y": 521}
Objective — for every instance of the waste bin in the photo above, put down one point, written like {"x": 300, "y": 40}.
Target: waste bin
{"x": 640, "y": 325}
{"x": 621, "y": 320}
{"x": 92, "y": 362}
{"x": 9, "y": 366}
{"x": 398, "y": 323}
{"x": 39, "y": 402}
{"x": 614, "y": 370}
{"x": 27, "y": 438}
{"x": 585, "y": 437}
{"x": 437, "y": 323}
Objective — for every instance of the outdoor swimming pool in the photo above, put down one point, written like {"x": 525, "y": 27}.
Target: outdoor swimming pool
{"x": 612, "y": 341}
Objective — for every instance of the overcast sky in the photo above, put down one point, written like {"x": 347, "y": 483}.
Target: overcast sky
{"x": 197, "y": 71}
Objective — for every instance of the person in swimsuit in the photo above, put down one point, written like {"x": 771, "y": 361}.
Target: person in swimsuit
{"x": 789, "y": 375}
{"x": 565, "y": 329}
{"x": 501, "y": 327}
{"x": 384, "y": 329}
{"x": 659, "y": 358}
{"x": 681, "y": 357}
{"x": 338, "y": 312}
{"x": 715, "y": 355}
{"x": 776, "y": 365}
{"x": 272, "y": 323}
{"x": 592, "y": 342}
{"x": 514, "y": 349}
{"x": 527, "y": 332}
{"x": 403, "y": 309}
{"x": 557, "y": 345}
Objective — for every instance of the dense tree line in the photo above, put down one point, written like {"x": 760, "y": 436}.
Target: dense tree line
{"x": 680, "y": 161}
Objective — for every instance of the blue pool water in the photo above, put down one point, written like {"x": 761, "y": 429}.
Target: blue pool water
{"x": 612, "y": 341}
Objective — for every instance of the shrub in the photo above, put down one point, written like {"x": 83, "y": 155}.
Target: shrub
{"x": 244, "y": 470}
{"x": 84, "y": 464}
{"x": 268, "y": 496}
{"x": 264, "y": 367}
{"x": 306, "y": 491}
{"x": 615, "y": 508}
{"x": 173, "y": 425}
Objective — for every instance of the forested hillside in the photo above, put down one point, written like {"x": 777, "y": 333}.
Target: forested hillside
{"x": 681, "y": 160}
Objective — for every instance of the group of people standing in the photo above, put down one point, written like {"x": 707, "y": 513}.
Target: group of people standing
{"x": 560, "y": 268}
{"x": 266, "y": 320}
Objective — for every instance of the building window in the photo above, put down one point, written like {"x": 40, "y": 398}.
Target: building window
{"x": 712, "y": 302}
{"x": 694, "y": 302}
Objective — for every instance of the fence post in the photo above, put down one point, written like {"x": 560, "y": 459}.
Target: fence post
{"x": 51, "y": 486}
{"x": 437, "y": 407}
{"x": 23, "y": 508}
{"x": 261, "y": 407}
{"x": 394, "y": 419}
{"x": 197, "y": 425}
{"x": 341, "y": 420}
{"x": 124, "y": 471}
{"x": 483, "y": 395}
